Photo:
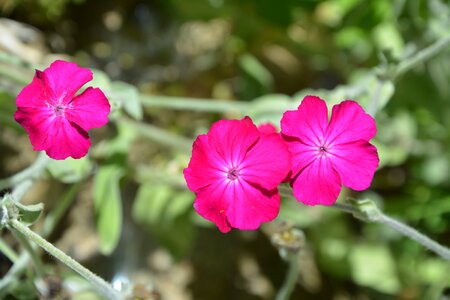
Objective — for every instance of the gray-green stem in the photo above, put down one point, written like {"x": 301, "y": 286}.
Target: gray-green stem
{"x": 101, "y": 285}
{"x": 421, "y": 56}
{"x": 33, "y": 171}
{"x": 291, "y": 279}
{"x": 38, "y": 266}
{"x": 404, "y": 229}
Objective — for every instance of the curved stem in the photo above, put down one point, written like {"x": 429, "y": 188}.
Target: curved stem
{"x": 422, "y": 56}
{"x": 291, "y": 279}
{"x": 39, "y": 267}
{"x": 50, "y": 222}
{"x": 404, "y": 229}
{"x": 413, "y": 234}
{"x": 32, "y": 171}
{"x": 195, "y": 104}
{"x": 160, "y": 135}
{"x": 7, "y": 251}
{"x": 101, "y": 285}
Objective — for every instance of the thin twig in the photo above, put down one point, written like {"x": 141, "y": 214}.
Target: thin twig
{"x": 291, "y": 279}
{"x": 101, "y": 285}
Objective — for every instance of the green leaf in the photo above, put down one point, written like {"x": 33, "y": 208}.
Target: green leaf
{"x": 28, "y": 214}
{"x": 150, "y": 202}
{"x": 128, "y": 96}
{"x": 70, "y": 170}
{"x": 108, "y": 206}
{"x": 373, "y": 266}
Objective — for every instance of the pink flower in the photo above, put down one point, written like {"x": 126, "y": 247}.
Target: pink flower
{"x": 327, "y": 155}
{"x": 55, "y": 118}
{"x": 234, "y": 171}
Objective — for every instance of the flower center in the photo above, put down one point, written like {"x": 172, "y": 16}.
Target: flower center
{"x": 323, "y": 150}
{"x": 59, "y": 109}
{"x": 233, "y": 174}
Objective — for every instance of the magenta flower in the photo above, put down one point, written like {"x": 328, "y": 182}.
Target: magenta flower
{"x": 54, "y": 117}
{"x": 234, "y": 171}
{"x": 327, "y": 155}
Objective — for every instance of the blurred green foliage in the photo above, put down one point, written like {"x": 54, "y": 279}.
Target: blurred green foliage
{"x": 273, "y": 54}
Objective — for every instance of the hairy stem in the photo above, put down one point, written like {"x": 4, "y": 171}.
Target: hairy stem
{"x": 413, "y": 234}
{"x": 33, "y": 171}
{"x": 160, "y": 135}
{"x": 195, "y": 104}
{"x": 421, "y": 56}
{"x": 404, "y": 229}
{"x": 291, "y": 279}
{"x": 7, "y": 251}
{"x": 101, "y": 285}
{"x": 39, "y": 267}
{"x": 50, "y": 222}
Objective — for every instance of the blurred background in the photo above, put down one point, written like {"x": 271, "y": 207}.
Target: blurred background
{"x": 235, "y": 58}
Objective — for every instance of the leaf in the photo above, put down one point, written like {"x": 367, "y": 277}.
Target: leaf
{"x": 108, "y": 206}
{"x": 128, "y": 96}
{"x": 373, "y": 266}
{"x": 70, "y": 170}
{"x": 28, "y": 214}
{"x": 150, "y": 202}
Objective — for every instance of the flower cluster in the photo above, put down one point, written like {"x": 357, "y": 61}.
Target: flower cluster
{"x": 235, "y": 168}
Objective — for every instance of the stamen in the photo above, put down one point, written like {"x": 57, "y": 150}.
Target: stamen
{"x": 59, "y": 109}
{"x": 233, "y": 174}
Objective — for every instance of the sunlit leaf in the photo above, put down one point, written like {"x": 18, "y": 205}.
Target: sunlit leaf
{"x": 108, "y": 206}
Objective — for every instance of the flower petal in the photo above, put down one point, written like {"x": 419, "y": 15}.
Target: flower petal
{"x": 267, "y": 163}
{"x": 349, "y": 123}
{"x": 233, "y": 138}
{"x": 66, "y": 139}
{"x": 356, "y": 162}
{"x": 267, "y": 128}
{"x": 66, "y": 78}
{"x": 206, "y": 165}
{"x": 318, "y": 183}
{"x": 302, "y": 154}
{"x": 250, "y": 205}
{"x": 37, "y": 123}
{"x": 36, "y": 94}
{"x": 211, "y": 204}
{"x": 308, "y": 123}
{"x": 89, "y": 110}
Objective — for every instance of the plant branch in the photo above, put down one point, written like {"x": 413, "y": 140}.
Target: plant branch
{"x": 413, "y": 234}
{"x": 38, "y": 266}
{"x": 160, "y": 135}
{"x": 101, "y": 285}
{"x": 195, "y": 104}
{"x": 290, "y": 281}
{"x": 421, "y": 56}
{"x": 32, "y": 172}
{"x": 372, "y": 214}
{"x": 8, "y": 251}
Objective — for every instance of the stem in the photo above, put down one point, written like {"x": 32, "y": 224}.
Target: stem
{"x": 291, "y": 279}
{"x": 33, "y": 171}
{"x": 422, "y": 56}
{"x": 413, "y": 234}
{"x": 102, "y": 286}
{"x": 195, "y": 104}
{"x": 160, "y": 135}
{"x": 50, "y": 222}
{"x": 39, "y": 267}
{"x": 404, "y": 229}
{"x": 373, "y": 105}
{"x": 7, "y": 251}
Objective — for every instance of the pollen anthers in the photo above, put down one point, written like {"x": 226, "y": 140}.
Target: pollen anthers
{"x": 233, "y": 174}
